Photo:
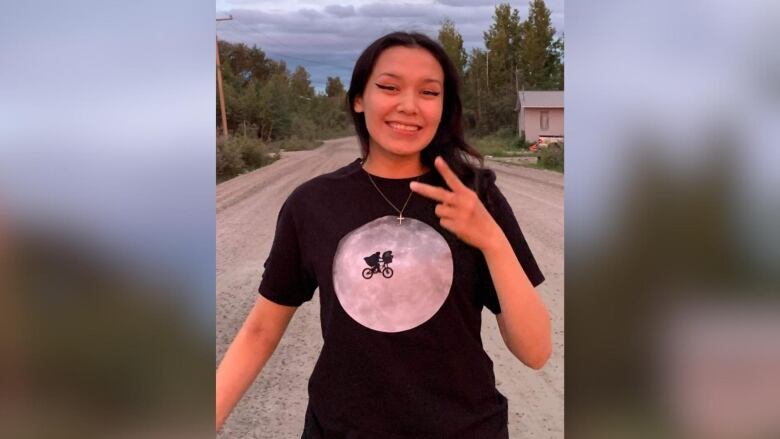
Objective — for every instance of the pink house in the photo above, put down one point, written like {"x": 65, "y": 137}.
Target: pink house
{"x": 539, "y": 113}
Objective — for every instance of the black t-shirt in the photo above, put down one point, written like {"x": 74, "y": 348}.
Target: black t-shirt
{"x": 400, "y": 307}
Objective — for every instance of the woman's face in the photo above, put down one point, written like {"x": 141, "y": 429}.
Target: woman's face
{"x": 402, "y": 100}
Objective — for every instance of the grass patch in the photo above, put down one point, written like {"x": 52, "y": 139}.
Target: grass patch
{"x": 503, "y": 143}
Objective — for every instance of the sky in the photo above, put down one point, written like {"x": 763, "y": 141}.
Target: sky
{"x": 327, "y": 36}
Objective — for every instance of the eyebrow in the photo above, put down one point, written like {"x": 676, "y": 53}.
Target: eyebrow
{"x": 399, "y": 77}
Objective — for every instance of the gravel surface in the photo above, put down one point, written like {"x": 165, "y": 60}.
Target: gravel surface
{"x": 274, "y": 406}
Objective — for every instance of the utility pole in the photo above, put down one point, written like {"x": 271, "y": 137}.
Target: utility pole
{"x": 487, "y": 74}
{"x": 219, "y": 85}
{"x": 479, "y": 106}
{"x": 517, "y": 98}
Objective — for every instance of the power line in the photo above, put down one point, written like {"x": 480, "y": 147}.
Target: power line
{"x": 274, "y": 41}
{"x": 308, "y": 60}
{"x": 279, "y": 53}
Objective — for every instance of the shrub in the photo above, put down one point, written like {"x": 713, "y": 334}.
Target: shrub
{"x": 304, "y": 126}
{"x": 519, "y": 143}
{"x": 229, "y": 160}
{"x": 551, "y": 157}
{"x": 239, "y": 154}
{"x": 253, "y": 152}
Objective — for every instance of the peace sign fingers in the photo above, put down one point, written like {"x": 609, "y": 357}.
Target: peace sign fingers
{"x": 460, "y": 211}
{"x": 449, "y": 176}
{"x": 433, "y": 192}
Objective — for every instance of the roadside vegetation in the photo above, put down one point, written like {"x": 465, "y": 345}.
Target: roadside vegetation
{"x": 270, "y": 109}
{"x": 551, "y": 157}
{"x": 504, "y": 144}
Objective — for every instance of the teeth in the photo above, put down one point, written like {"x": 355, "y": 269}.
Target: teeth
{"x": 403, "y": 127}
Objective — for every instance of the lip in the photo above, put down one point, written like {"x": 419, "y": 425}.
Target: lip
{"x": 403, "y": 132}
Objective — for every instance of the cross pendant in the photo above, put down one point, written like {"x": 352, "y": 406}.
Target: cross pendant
{"x": 400, "y": 218}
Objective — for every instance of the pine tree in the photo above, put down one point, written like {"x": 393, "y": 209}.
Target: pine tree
{"x": 300, "y": 83}
{"x": 538, "y": 53}
{"x": 334, "y": 87}
{"x": 503, "y": 41}
{"x": 554, "y": 66}
{"x": 474, "y": 88}
{"x": 452, "y": 41}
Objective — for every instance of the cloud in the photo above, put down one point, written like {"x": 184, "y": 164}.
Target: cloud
{"x": 460, "y": 3}
{"x": 311, "y": 14}
{"x": 388, "y": 10}
{"x": 340, "y": 11}
{"x": 326, "y": 40}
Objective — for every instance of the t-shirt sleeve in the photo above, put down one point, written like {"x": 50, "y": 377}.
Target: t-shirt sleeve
{"x": 502, "y": 213}
{"x": 286, "y": 279}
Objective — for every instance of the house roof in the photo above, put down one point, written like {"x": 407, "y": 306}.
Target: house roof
{"x": 539, "y": 99}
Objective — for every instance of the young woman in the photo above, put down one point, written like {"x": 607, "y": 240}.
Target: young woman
{"x": 406, "y": 244}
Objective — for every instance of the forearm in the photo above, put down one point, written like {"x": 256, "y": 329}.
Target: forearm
{"x": 526, "y": 320}
{"x": 243, "y": 361}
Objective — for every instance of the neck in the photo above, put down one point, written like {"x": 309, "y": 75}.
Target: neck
{"x": 387, "y": 165}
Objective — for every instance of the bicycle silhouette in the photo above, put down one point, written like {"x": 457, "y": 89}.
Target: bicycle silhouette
{"x": 378, "y": 264}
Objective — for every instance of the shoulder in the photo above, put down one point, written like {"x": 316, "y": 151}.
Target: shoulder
{"x": 321, "y": 187}
{"x": 489, "y": 193}
{"x": 483, "y": 182}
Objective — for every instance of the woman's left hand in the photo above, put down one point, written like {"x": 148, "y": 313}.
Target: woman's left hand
{"x": 460, "y": 210}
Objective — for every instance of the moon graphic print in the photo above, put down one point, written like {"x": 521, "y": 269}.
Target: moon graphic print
{"x": 392, "y": 277}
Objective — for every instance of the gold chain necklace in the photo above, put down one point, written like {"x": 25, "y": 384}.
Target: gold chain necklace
{"x": 400, "y": 211}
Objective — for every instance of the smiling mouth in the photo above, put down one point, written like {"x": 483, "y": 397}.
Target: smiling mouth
{"x": 404, "y": 127}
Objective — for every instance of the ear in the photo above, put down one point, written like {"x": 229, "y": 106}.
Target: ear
{"x": 358, "y": 104}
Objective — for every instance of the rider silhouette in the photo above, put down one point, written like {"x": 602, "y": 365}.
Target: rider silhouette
{"x": 373, "y": 262}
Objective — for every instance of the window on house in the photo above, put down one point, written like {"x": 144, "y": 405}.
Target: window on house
{"x": 544, "y": 120}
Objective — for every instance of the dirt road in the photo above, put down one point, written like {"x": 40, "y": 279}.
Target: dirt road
{"x": 274, "y": 406}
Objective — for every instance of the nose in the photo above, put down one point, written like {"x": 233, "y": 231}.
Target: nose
{"x": 407, "y": 102}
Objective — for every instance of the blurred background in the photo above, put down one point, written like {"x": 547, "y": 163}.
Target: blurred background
{"x": 107, "y": 229}
{"x": 107, "y": 219}
{"x": 672, "y": 219}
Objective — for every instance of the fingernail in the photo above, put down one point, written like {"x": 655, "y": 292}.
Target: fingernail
{"x": 412, "y": 184}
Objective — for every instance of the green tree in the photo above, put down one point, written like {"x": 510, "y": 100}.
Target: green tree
{"x": 474, "y": 88}
{"x": 539, "y": 54}
{"x": 264, "y": 99}
{"x": 334, "y": 87}
{"x": 554, "y": 66}
{"x": 452, "y": 41}
{"x": 300, "y": 83}
{"x": 503, "y": 41}
{"x": 274, "y": 108}
{"x": 246, "y": 63}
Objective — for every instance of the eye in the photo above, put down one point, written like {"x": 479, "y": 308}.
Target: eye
{"x": 386, "y": 87}
{"x": 431, "y": 93}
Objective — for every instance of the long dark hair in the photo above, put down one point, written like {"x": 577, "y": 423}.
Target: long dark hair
{"x": 448, "y": 141}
